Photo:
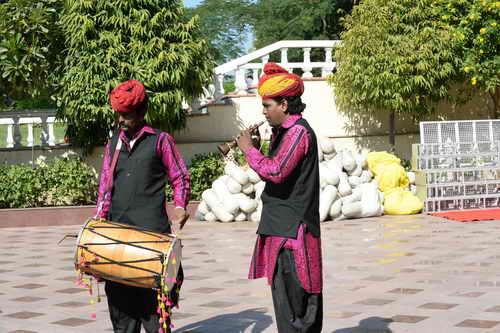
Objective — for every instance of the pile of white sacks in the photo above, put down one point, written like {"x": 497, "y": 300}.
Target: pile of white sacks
{"x": 235, "y": 196}
{"x": 348, "y": 190}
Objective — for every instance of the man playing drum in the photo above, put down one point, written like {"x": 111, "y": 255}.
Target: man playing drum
{"x": 288, "y": 248}
{"x": 144, "y": 159}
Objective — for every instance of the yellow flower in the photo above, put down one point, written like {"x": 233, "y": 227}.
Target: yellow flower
{"x": 465, "y": 22}
{"x": 483, "y": 30}
{"x": 481, "y": 51}
{"x": 467, "y": 69}
{"x": 494, "y": 24}
{"x": 474, "y": 81}
{"x": 481, "y": 39}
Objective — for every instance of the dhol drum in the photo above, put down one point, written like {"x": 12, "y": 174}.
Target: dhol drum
{"x": 127, "y": 254}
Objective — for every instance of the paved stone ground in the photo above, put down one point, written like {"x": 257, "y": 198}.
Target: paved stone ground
{"x": 390, "y": 274}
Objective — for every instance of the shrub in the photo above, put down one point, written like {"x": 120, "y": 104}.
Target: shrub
{"x": 61, "y": 182}
{"x": 204, "y": 169}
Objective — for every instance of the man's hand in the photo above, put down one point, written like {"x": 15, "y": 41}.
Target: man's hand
{"x": 256, "y": 140}
{"x": 244, "y": 140}
{"x": 179, "y": 219}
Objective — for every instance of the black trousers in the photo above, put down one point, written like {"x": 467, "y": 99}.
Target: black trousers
{"x": 296, "y": 310}
{"x": 130, "y": 307}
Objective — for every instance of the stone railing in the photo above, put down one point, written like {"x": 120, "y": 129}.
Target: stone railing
{"x": 13, "y": 120}
{"x": 241, "y": 68}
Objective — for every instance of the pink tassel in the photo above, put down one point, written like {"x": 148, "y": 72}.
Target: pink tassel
{"x": 93, "y": 316}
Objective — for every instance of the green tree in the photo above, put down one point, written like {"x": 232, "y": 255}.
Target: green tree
{"x": 394, "y": 56}
{"x": 276, "y": 20}
{"x": 110, "y": 41}
{"x": 225, "y": 24}
{"x": 475, "y": 28}
{"x": 30, "y": 47}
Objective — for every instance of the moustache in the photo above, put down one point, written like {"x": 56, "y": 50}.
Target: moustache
{"x": 123, "y": 126}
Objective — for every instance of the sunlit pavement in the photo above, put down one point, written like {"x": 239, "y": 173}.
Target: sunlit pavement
{"x": 389, "y": 274}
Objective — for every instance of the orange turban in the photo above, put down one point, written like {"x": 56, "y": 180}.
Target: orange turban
{"x": 278, "y": 82}
{"x": 128, "y": 96}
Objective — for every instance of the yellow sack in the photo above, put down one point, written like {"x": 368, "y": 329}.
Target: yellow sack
{"x": 392, "y": 176}
{"x": 378, "y": 160}
{"x": 393, "y": 181}
{"x": 400, "y": 202}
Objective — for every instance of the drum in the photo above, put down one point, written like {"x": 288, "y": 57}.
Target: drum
{"x": 127, "y": 254}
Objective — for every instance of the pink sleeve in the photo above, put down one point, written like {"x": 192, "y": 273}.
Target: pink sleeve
{"x": 177, "y": 172}
{"x": 103, "y": 200}
{"x": 293, "y": 148}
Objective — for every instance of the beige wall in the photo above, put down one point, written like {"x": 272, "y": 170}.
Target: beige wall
{"x": 352, "y": 131}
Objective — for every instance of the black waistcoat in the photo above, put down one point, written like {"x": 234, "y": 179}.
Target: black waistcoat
{"x": 296, "y": 200}
{"x": 138, "y": 194}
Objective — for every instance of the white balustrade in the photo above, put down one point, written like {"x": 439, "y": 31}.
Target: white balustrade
{"x": 44, "y": 119}
{"x": 246, "y": 67}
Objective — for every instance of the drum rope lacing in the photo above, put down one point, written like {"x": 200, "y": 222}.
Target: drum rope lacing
{"x": 165, "y": 303}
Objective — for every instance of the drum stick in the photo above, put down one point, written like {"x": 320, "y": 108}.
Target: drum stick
{"x": 67, "y": 236}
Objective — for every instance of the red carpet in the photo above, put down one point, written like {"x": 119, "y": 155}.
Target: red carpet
{"x": 470, "y": 215}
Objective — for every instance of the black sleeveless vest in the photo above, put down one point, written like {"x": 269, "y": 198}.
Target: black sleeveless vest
{"x": 296, "y": 200}
{"x": 138, "y": 194}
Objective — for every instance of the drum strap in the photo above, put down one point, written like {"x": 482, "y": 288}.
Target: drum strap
{"x": 109, "y": 185}
{"x": 112, "y": 168}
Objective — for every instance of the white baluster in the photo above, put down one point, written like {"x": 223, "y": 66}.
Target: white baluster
{"x": 219, "y": 86}
{"x": 328, "y": 70}
{"x": 30, "y": 135}
{"x": 265, "y": 60}
{"x": 10, "y": 136}
{"x": 307, "y": 63}
{"x": 284, "y": 55}
{"x": 284, "y": 58}
{"x": 50, "y": 127}
{"x": 30, "y": 139}
{"x": 240, "y": 83}
{"x": 255, "y": 81}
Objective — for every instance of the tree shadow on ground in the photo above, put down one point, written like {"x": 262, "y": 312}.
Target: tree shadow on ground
{"x": 369, "y": 325}
{"x": 239, "y": 322}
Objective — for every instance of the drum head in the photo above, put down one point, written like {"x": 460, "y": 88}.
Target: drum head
{"x": 173, "y": 263}
{"x": 78, "y": 240}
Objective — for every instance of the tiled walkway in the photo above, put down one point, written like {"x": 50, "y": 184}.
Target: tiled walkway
{"x": 391, "y": 274}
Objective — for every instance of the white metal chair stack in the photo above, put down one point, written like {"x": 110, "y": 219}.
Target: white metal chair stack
{"x": 457, "y": 165}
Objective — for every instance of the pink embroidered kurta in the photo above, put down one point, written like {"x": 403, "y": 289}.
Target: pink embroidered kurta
{"x": 306, "y": 248}
{"x": 175, "y": 170}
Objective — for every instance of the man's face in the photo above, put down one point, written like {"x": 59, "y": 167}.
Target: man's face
{"x": 275, "y": 112}
{"x": 130, "y": 121}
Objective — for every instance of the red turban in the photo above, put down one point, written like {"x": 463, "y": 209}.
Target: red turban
{"x": 278, "y": 82}
{"x": 128, "y": 96}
